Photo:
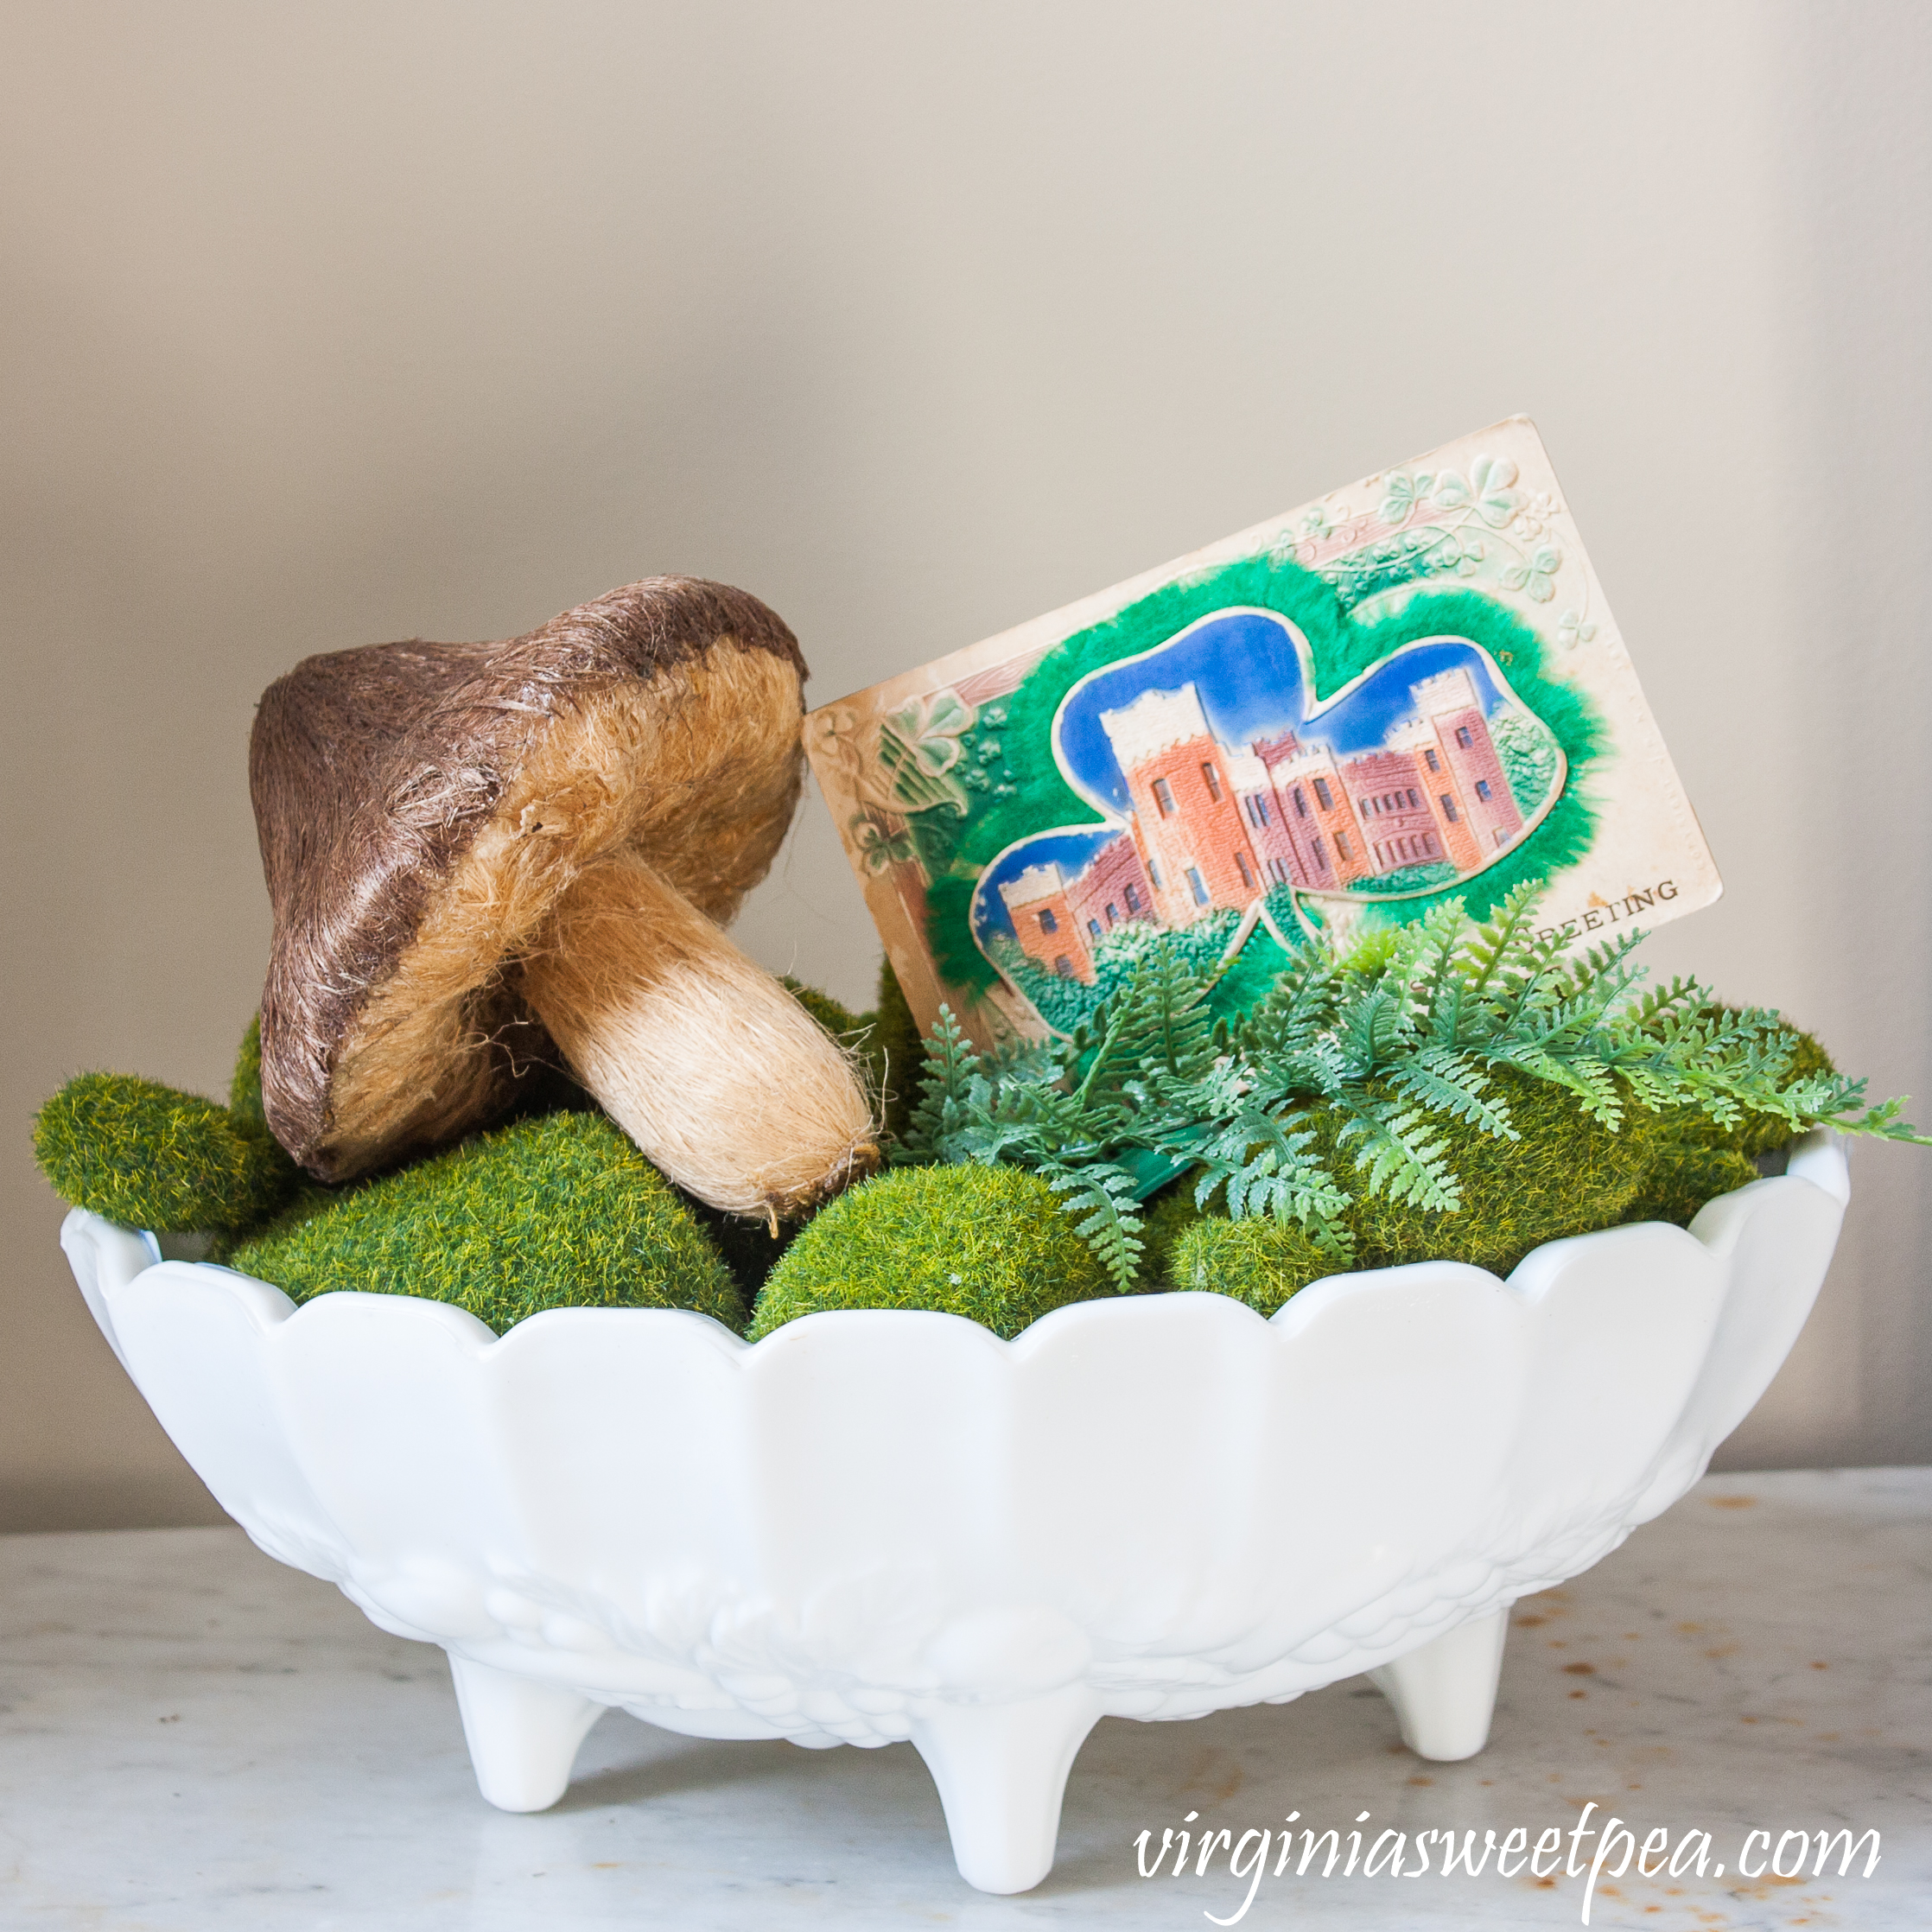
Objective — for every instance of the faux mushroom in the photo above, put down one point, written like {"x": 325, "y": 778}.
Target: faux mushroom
{"x": 475, "y": 850}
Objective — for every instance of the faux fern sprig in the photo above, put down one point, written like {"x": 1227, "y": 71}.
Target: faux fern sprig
{"x": 1103, "y": 1195}
{"x": 1393, "y": 1037}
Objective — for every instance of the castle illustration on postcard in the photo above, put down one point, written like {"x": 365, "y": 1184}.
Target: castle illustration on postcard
{"x": 1408, "y": 691}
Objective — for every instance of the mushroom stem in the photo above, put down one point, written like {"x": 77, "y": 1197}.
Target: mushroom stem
{"x": 723, "y": 1080}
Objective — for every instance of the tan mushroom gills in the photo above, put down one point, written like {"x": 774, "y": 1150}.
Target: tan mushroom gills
{"x": 723, "y": 1080}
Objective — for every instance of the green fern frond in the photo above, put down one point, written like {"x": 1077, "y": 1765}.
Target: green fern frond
{"x": 1159, "y": 1019}
{"x": 951, "y": 1063}
{"x": 1662, "y": 1004}
{"x": 1371, "y": 1028}
{"x": 1496, "y": 952}
{"x": 1368, "y": 956}
{"x": 1112, "y": 1227}
{"x": 1433, "y": 970}
{"x": 1588, "y": 1079}
{"x": 1881, "y": 1120}
{"x": 1284, "y": 1024}
{"x": 1263, "y": 1162}
{"x": 1401, "y": 1156}
{"x": 1449, "y": 1082}
{"x": 1599, "y": 972}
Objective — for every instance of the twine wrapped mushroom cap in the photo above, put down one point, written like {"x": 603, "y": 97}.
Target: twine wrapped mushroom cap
{"x": 477, "y": 853}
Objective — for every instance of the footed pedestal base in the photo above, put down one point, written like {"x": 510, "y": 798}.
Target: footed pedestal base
{"x": 1001, "y": 1769}
{"x": 523, "y": 1735}
{"x": 1445, "y": 1693}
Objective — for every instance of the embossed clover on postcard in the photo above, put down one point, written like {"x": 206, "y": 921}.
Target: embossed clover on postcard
{"x": 1410, "y": 690}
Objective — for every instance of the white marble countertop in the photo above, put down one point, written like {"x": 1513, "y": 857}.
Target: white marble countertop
{"x": 194, "y": 1739}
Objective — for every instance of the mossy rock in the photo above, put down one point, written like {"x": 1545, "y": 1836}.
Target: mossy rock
{"x": 245, "y": 1084}
{"x": 1566, "y": 1175}
{"x": 989, "y": 1243}
{"x": 150, "y": 1156}
{"x": 1169, "y": 1216}
{"x": 837, "y": 1018}
{"x": 1257, "y": 1260}
{"x": 1693, "y": 1159}
{"x": 556, "y": 1211}
{"x": 899, "y": 1052}
{"x": 1684, "y": 1175}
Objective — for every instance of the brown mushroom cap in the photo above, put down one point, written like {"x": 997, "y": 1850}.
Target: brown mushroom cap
{"x": 424, "y": 809}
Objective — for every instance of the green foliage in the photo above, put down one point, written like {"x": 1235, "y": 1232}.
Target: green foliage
{"x": 1375, "y": 1091}
{"x": 150, "y": 1156}
{"x": 989, "y": 1243}
{"x": 1406, "y": 879}
{"x": 1108, "y": 1219}
{"x": 1444, "y": 1090}
{"x": 1763, "y": 1132}
{"x": 556, "y": 1211}
{"x": 1528, "y": 756}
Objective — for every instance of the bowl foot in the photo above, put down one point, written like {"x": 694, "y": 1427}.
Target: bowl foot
{"x": 522, "y": 1734}
{"x": 1001, "y": 1769}
{"x": 1445, "y": 1693}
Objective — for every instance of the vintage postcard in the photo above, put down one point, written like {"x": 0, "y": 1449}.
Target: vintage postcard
{"x": 1407, "y": 692}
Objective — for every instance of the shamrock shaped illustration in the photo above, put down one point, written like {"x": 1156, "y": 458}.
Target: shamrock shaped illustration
{"x": 919, "y": 746}
{"x": 1405, "y": 495}
{"x": 878, "y": 845}
{"x": 1536, "y": 576}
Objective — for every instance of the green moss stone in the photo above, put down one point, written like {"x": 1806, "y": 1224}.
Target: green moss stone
{"x": 1169, "y": 1216}
{"x": 150, "y": 1156}
{"x": 1693, "y": 1159}
{"x": 558, "y": 1211}
{"x": 898, "y": 1050}
{"x": 836, "y": 1018}
{"x": 244, "y": 1086}
{"x": 1564, "y": 1176}
{"x": 1684, "y": 1175}
{"x": 1257, "y": 1260}
{"x": 989, "y": 1243}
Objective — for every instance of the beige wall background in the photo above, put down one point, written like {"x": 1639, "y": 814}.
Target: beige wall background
{"x": 327, "y": 325}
